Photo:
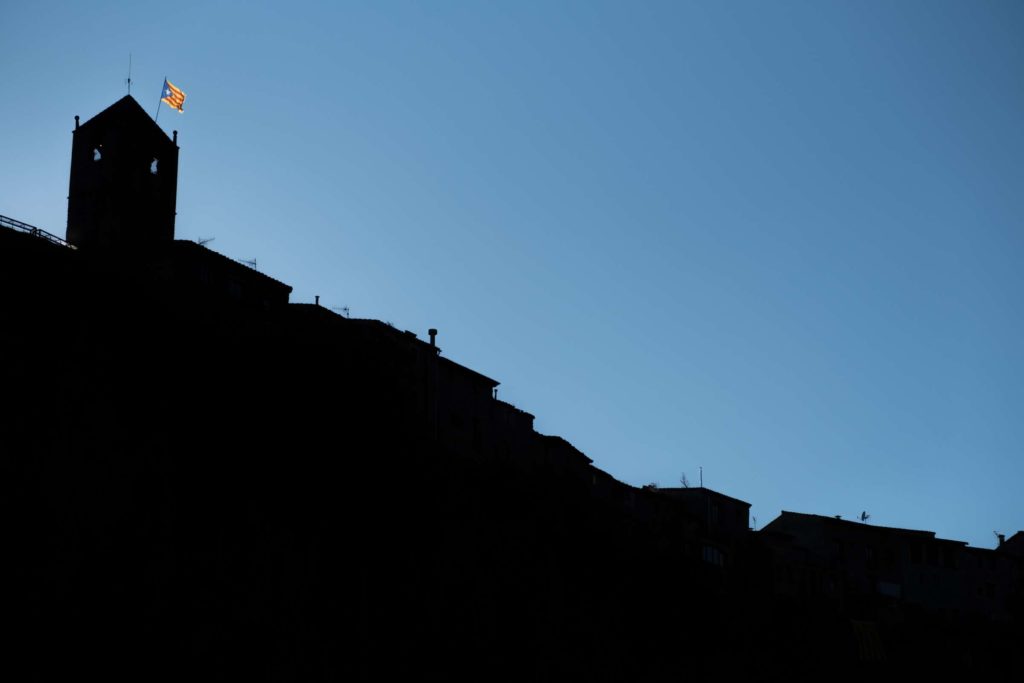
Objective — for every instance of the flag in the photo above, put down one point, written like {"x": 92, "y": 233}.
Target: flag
{"x": 173, "y": 96}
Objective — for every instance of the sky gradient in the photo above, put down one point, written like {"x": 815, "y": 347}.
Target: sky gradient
{"x": 781, "y": 241}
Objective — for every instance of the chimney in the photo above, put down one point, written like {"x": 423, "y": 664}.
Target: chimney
{"x": 1002, "y": 540}
{"x": 317, "y": 300}
{"x": 433, "y": 336}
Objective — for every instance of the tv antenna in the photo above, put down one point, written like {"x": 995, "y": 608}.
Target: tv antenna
{"x": 128, "y": 81}
{"x": 251, "y": 264}
{"x": 864, "y": 516}
{"x": 203, "y": 241}
{"x": 342, "y": 309}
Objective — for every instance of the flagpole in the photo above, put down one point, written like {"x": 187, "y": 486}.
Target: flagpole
{"x": 157, "y": 117}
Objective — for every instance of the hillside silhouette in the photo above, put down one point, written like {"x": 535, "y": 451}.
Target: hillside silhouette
{"x": 204, "y": 480}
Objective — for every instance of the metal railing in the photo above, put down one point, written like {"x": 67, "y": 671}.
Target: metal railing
{"x": 6, "y": 222}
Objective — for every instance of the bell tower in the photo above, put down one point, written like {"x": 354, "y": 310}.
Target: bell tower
{"x": 124, "y": 181}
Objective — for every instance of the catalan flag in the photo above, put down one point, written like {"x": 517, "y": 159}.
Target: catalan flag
{"x": 173, "y": 96}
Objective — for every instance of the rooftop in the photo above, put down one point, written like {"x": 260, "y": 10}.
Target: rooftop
{"x": 699, "y": 490}
{"x": 833, "y": 521}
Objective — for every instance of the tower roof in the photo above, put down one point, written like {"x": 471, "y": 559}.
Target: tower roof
{"x": 125, "y": 112}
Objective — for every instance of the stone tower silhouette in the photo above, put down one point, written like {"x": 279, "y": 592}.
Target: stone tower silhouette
{"x": 124, "y": 181}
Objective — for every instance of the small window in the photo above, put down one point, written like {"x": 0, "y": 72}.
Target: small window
{"x": 152, "y": 166}
{"x": 714, "y": 556}
{"x": 96, "y": 154}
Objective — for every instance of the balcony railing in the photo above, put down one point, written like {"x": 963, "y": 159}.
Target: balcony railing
{"x": 6, "y": 222}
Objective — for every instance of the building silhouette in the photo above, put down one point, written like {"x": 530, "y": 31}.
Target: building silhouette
{"x": 124, "y": 180}
{"x": 202, "y": 476}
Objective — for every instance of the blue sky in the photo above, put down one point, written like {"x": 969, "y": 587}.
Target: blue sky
{"x": 781, "y": 241}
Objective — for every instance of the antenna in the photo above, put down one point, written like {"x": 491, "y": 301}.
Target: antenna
{"x": 864, "y": 516}
{"x": 343, "y": 309}
{"x": 128, "y": 80}
{"x": 251, "y": 264}
{"x": 203, "y": 241}
{"x": 702, "y": 476}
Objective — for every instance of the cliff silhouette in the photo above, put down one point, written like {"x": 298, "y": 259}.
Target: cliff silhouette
{"x": 201, "y": 479}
